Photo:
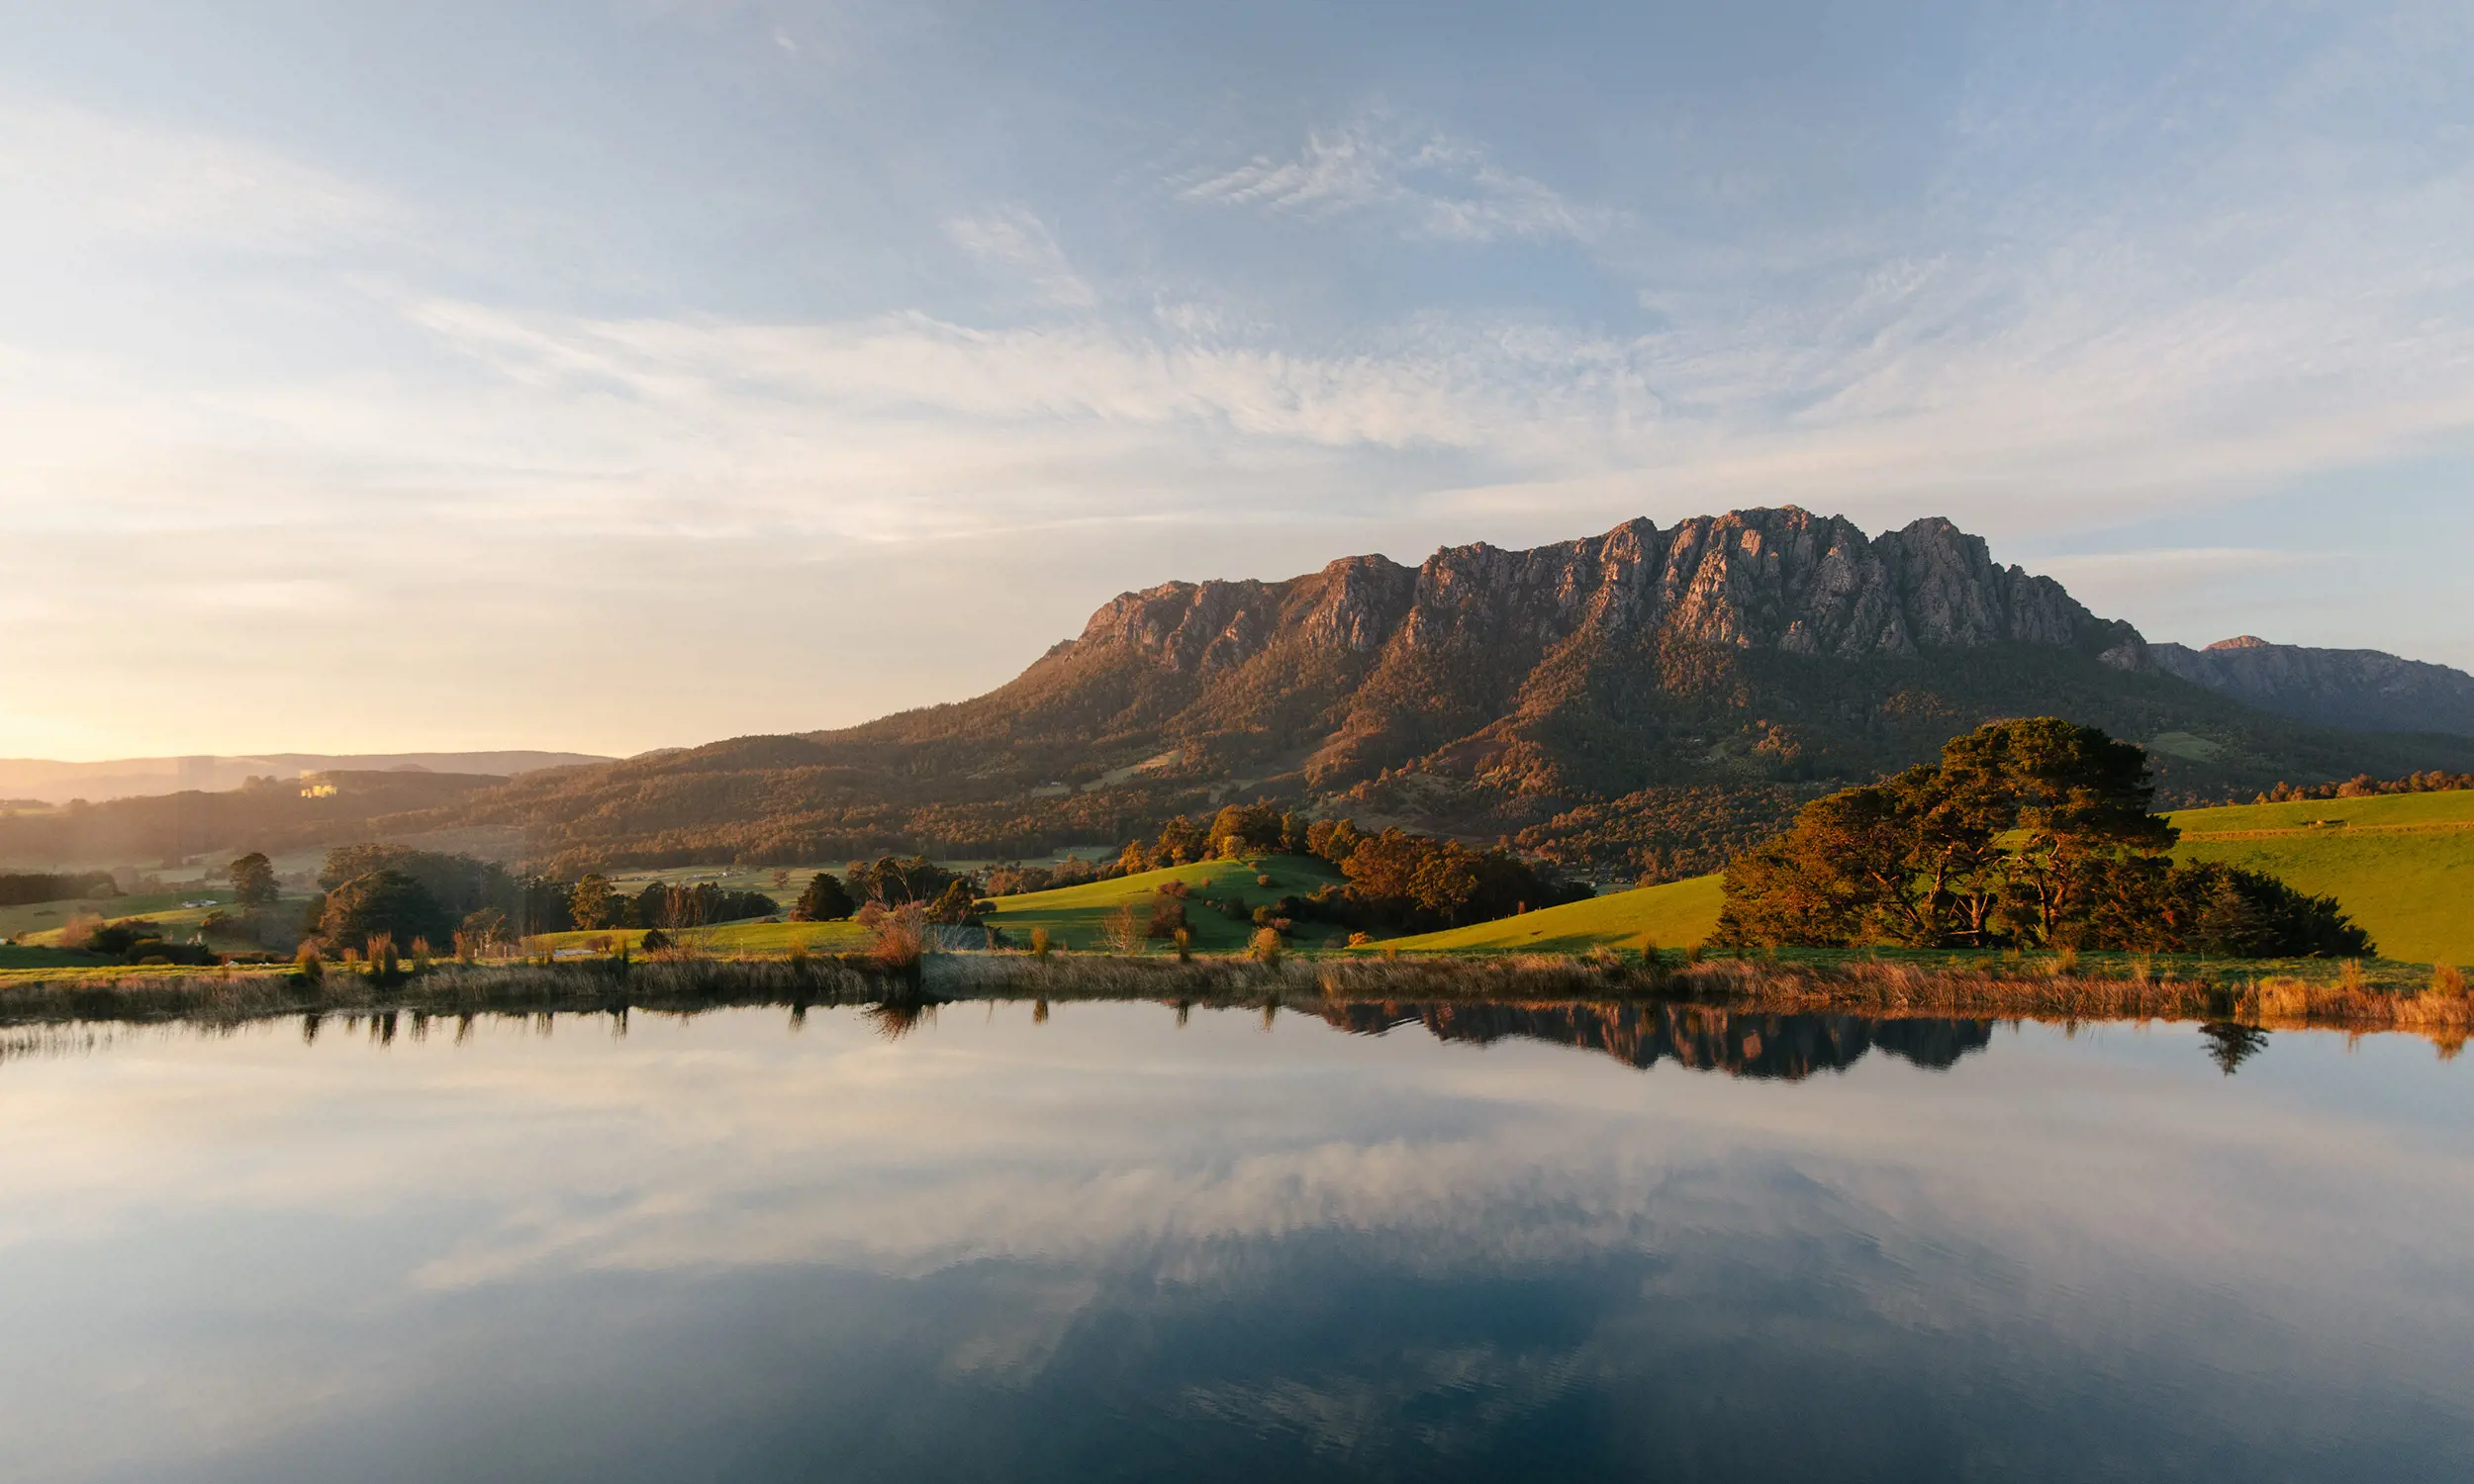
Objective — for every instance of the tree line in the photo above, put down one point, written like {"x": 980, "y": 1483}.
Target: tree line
{"x": 24, "y": 889}
{"x": 2364, "y": 786}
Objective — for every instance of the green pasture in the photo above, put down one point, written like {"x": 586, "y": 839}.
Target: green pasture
{"x": 2401, "y": 863}
{"x": 761, "y": 938}
{"x": 1078, "y": 916}
{"x": 40, "y": 923}
{"x": 1675, "y": 915}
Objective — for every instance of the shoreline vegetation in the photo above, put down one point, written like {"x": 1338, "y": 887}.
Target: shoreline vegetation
{"x": 2349, "y": 995}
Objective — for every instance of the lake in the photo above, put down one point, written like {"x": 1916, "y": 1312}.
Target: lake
{"x": 1116, "y": 1242}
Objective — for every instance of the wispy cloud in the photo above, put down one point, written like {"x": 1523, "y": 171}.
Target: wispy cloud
{"x": 1015, "y": 240}
{"x": 1439, "y": 186}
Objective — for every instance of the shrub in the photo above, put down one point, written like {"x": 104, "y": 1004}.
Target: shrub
{"x": 898, "y": 938}
{"x": 1266, "y": 948}
{"x": 1168, "y": 918}
{"x": 1039, "y": 944}
{"x": 307, "y": 964}
{"x": 2449, "y": 979}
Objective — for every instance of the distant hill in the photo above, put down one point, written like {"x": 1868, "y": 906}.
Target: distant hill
{"x": 1643, "y": 700}
{"x": 332, "y": 808}
{"x": 134, "y": 778}
{"x": 2365, "y": 689}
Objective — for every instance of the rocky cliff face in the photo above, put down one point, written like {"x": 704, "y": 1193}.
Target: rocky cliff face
{"x": 2364, "y": 690}
{"x": 1480, "y": 656}
{"x": 1783, "y": 580}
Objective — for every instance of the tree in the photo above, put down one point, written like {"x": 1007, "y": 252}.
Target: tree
{"x": 592, "y": 902}
{"x": 824, "y": 901}
{"x": 1243, "y": 830}
{"x": 2033, "y": 832}
{"x": 1124, "y": 931}
{"x": 484, "y": 929}
{"x": 956, "y": 907}
{"x": 252, "y": 881}
{"x": 381, "y": 903}
{"x": 893, "y": 883}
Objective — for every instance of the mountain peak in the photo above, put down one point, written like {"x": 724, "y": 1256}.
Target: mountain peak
{"x": 2240, "y": 641}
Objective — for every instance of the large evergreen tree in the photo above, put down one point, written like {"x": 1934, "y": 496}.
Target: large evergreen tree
{"x": 2034, "y": 832}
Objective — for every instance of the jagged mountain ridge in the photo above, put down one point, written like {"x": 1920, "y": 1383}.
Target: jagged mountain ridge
{"x": 1646, "y": 699}
{"x": 2367, "y": 690}
{"x": 1368, "y": 665}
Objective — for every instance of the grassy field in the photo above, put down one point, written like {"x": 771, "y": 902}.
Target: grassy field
{"x": 2402, "y": 864}
{"x": 749, "y": 939}
{"x": 1076, "y": 916}
{"x": 165, "y": 907}
{"x": 1677, "y": 915}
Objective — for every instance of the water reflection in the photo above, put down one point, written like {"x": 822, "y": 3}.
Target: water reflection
{"x": 1134, "y": 1240}
{"x": 1789, "y": 1048}
{"x": 2231, "y": 1044}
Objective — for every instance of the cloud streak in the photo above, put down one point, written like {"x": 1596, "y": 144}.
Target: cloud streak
{"x": 1436, "y": 186}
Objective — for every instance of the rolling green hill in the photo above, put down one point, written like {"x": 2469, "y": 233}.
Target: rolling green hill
{"x": 2402, "y": 864}
{"x": 1076, "y": 916}
{"x": 1677, "y": 914}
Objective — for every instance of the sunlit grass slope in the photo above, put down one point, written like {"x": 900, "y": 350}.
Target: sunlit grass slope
{"x": 2401, "y": 863}
{"x": 41, "y": 922}
{"x": 1076, "y": 916}
{"x": 1677, "y": 914}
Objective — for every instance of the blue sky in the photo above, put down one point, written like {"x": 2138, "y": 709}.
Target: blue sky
{"x": 619, "y": 375}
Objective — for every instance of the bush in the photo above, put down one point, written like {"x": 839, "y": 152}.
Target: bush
{"x": 1168, "y": 919}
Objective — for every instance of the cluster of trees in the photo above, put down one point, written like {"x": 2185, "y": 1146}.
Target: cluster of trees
{"x": 138, "y": 940}
{"x": 26, "y": 890}
{"x": 2364, "y": 786}
{"x": 1235, "y": 832}
{"x": 1012, "y": 881}
{"x": 1395, "y": 881}
{"x": 420, "y": 895}
{"x": 2029, "y": 833}
{"x": 1417, "y": 882}
{"x": 593, "y": 902}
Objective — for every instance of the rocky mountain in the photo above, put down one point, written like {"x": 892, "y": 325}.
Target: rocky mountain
{"x": 1646, "y": 700}
{"x": 2365, "y": 689}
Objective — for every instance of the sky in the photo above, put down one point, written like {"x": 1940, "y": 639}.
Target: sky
{"x": 611, "y": 376}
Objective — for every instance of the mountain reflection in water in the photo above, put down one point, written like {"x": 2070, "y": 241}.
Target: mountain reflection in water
{"x": 1115, "y": 1241}
{"x": 1786, "y": 1048}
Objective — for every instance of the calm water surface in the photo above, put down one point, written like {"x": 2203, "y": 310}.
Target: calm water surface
{"x": 1108, "y": 1244}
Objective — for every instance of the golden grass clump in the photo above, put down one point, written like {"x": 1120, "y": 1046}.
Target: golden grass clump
{"x": 2448, "y": 982}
